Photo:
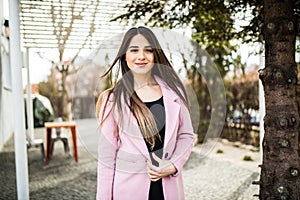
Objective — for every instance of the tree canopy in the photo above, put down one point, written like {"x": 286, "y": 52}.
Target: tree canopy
{"x": 211, "y": 20}
{"x": 214, "y": 23}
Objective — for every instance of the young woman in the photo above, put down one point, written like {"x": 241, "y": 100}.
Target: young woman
{"x": 146, "y": 133}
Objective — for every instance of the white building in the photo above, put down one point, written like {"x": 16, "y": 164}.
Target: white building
{"x": 6, "y": 114}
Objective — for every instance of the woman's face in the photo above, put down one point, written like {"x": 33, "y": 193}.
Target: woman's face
{"x": 139, "y": 56}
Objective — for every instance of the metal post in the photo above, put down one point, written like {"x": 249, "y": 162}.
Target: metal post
{"x": 18, "y": 101}
{"x": 29, "y": 109}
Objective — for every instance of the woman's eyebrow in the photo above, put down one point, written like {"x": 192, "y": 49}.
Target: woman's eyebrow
{"x": 133, "y": 46}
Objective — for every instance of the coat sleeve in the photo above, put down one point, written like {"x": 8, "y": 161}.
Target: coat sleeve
{"x": 107, "y": 148}
{"x": 185, "y": 139}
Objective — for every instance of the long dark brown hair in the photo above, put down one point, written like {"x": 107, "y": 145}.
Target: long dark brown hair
{"x": 124, "y": 87}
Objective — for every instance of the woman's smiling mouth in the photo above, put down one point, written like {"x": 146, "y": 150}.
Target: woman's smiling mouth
{"x": 140, "y": 64}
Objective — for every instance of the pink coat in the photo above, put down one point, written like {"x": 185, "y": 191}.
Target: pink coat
{"x": 123, "y": 154}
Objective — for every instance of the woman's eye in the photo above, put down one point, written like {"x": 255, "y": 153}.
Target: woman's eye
{"x": 133, "y": 50}
{"x": 149, "y": 50}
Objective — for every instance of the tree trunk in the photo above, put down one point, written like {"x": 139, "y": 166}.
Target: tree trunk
{"x": 280, "y": 168}
{"x": 65, "y": 96}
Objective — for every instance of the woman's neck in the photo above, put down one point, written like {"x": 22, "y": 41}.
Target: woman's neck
{"x": 142, "y": 81}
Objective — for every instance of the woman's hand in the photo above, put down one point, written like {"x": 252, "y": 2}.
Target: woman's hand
{"x": 165, "y": 168}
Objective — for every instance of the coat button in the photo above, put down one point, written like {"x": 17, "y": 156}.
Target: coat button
{"x": 166, "y": 155}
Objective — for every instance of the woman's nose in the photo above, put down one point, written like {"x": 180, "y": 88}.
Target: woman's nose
{"x": 141, "y": 55}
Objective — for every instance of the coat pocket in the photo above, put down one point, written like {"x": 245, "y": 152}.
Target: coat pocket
{"x": 130, "y": 163}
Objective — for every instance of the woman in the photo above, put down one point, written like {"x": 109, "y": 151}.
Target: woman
{"x": 146, "y": 134}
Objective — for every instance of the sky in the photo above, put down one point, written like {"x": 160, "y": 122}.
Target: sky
{"x": 40, "y": 68}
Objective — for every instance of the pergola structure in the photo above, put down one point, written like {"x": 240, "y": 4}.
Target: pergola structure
{"x": 69, "y": 24}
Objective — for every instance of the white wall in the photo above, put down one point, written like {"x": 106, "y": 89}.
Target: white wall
{"x": 6, "y": 118}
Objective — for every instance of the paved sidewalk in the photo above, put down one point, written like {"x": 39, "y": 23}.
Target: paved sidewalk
{"x": 221, "y": 176}
{"x": 207, "y": 174}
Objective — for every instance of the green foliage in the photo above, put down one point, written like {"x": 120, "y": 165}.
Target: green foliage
{"x": 213, "y": 32}
{"x": 107, "y": 82}
{"x": 251, "y": 10}
{"x": 220, "y": 151}
{"x": 212, "y": 21}
{"x": 298, "y": 48}
{"x": 247, "y": 158}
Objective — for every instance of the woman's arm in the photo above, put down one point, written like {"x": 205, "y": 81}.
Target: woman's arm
{"x": 185, "y": 139}
{"x": 107, "y": 147}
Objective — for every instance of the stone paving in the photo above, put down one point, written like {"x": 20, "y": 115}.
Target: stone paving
{"x": 207, "y": 175}
{"x": 210, "y": 179}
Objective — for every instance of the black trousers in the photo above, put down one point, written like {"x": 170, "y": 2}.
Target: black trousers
{"x": 156, "y": 191}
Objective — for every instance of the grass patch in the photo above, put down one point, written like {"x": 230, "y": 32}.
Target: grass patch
{"x": 247, "y": 158}
{"x": 220, "y": 151}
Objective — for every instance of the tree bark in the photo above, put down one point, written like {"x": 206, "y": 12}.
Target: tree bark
{"x": 280, "y": 168}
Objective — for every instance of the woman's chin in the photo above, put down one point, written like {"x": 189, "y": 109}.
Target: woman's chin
{"x": 141, "y": 71}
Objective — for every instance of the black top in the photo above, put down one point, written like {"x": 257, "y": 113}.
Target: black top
{"x": 158, "y": 111}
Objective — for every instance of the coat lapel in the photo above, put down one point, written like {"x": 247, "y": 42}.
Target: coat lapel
{"x": 172, "y": 109}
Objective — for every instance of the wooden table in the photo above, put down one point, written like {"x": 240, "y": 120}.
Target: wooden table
{"x": 67, "y": 124}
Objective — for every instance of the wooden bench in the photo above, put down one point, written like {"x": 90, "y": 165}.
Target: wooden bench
{"x": 51, "y": 125}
